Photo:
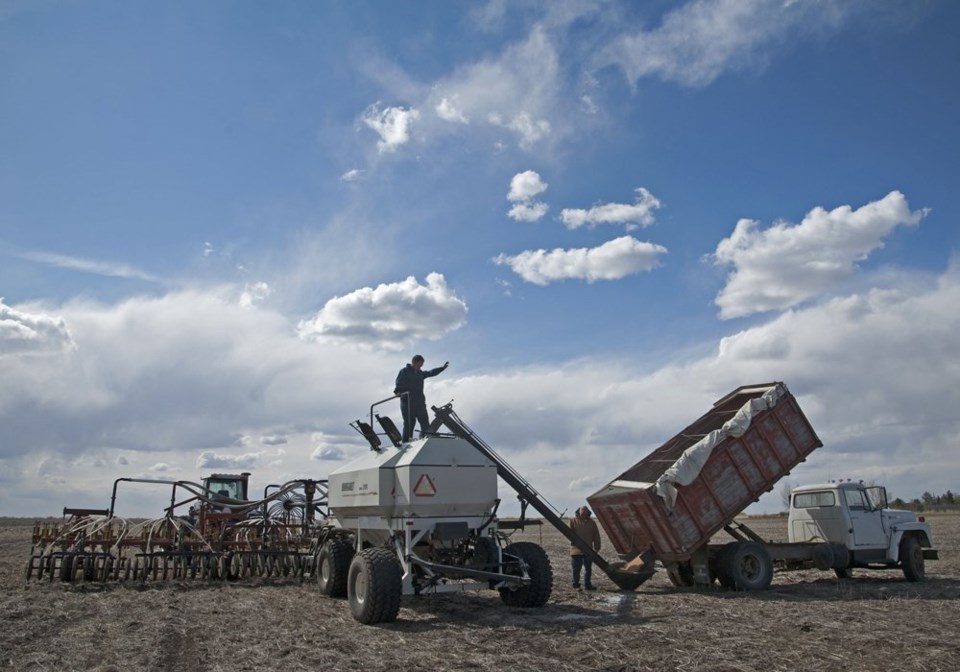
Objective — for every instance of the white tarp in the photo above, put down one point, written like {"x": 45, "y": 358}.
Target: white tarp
{"x": 689, "y": 464}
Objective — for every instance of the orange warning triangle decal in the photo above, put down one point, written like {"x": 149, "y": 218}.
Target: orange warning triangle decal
{"x": 424, "y": 487}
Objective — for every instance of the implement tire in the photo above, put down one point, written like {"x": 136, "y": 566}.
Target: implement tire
{"x": 537, "y": 592}
{"x": 911, "y": 559}
{"x": 374, "y": 584}
{"x": 333, "y": 567}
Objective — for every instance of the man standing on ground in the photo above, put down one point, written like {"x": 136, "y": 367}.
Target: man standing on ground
{"x": 413, "y": 405}
{"x": 585, "y": 528}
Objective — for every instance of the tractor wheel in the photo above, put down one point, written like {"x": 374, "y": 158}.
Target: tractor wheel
{"x": 333, "y": 566}
{"x": 537, "y": 592}
{"x": 843, "y": 573}
{"x": 911, "y": 559}
{"x": 374, "y": 584}
{"x": 750, "y": 566}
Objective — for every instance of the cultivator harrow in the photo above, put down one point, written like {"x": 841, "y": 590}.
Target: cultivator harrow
{"x": 221, "y": 536}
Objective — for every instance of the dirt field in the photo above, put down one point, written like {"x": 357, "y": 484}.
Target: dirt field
{"x": 807, "y": 621}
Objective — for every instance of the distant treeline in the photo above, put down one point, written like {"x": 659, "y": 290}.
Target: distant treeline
{"x": 948, "y": 501}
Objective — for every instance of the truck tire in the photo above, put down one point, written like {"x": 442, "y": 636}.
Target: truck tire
{"x": 911, "y": 559}
{"x": 750, "y": 566}
{"x": 723, "y": 565}
{"x": 537, "y": 592}
{"x": 333, "y": 567}
{"x": 374, "y": 584}
{"x": 681, "y": 574}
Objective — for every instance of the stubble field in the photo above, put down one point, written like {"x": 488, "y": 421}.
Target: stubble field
{"x": 807, "y": 621}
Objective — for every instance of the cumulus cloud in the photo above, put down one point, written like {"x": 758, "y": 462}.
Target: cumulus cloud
{"x": 632, "y": 215}
{"x": 167, "y": 379}
{"x": 209, "y": 459}
{"x": 26, "y": 332}
{"x": 392, "y": 124}
{"x": 529, "y": 130}
{"x": 352, "y": 175}
{"x": 613, "y": 260}
{"x": 326, "y": 453}
{"x": 786, "y": 264}
{"x": 524, "y": 188}
{"x": 699, "y": 41}
{"x": 253, "y": 293}
{"x": 447, "y": 110}
{"x": 391, "y": 316}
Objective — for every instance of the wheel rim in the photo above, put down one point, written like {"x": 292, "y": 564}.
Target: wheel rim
{"x": 325, "y": 569}
{"x": 360, "y": 588}
{"x": 749, "y": 567}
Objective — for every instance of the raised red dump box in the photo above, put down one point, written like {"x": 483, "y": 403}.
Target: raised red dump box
{"x": 680, "y": 495}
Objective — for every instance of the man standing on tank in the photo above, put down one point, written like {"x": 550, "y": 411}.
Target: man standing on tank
{"x": 413, "y": 405}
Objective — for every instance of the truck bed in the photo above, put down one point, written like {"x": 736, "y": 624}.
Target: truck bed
{"x": 680, "y": 495}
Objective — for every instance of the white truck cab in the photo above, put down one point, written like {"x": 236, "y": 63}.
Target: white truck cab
{"x": 857, "y": 517}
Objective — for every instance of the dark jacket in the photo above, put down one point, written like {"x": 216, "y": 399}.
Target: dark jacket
{"x": 587, "y": 530}
{"x": 411, "y": 380}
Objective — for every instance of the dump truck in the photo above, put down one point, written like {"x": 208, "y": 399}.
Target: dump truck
{"x": 673, "y": 502}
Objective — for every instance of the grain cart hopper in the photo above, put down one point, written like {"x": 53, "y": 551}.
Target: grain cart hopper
{"x": 419, "y": 517}
{"x": 676, "y": 499}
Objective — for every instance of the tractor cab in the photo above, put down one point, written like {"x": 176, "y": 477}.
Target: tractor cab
{"x": 228, "y": 486}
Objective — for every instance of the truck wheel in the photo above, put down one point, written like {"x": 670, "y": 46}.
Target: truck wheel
{"x": 333, "y": 566}
{"x": 911, "y": 559}
{"x": 374, "y": 584}
{"x": 537, "y": 592}
{"x": 723, "y": 565}
{"x": 843, "y": 573}
{"x": 750, "y": 566}
{"x": 680, "y": 574}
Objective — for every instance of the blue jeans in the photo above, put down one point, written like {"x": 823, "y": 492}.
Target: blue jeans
{"x": 576, "y": 563}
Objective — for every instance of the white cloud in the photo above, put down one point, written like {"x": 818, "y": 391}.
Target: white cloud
{"x": 529, "y": 129}
{"x": 391, "y": 316}
{"x": 613, "y": 260}
{"x": 352, "y": 175}
{"x": 528, "y": 212}
{"x": 699, "y": 41}
{"x": 209, "y": 459}
{"x": 633, "y": 215}
{"x": 326, "y": 453}
{"x": 518, "y": 90}
{"x": 392, "y": 124}
{"x": 526, "y": 186}
{"x": 24, "y": 332}
{"x": 448, "y": 111}
{"x": 254, "y": 293}
{"x": 96, "y": 267}
{"x": 786, "y": 264}
{"x": 169, "y": 378}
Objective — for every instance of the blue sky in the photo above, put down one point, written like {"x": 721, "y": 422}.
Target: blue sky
{"x": 225, "y": 226}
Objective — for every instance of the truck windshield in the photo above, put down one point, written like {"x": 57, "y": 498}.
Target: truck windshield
{"x": 855, "y": 499}
{"x": 876, "y": 497}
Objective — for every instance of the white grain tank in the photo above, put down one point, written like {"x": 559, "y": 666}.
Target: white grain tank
{"x": 439, "y": 477}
